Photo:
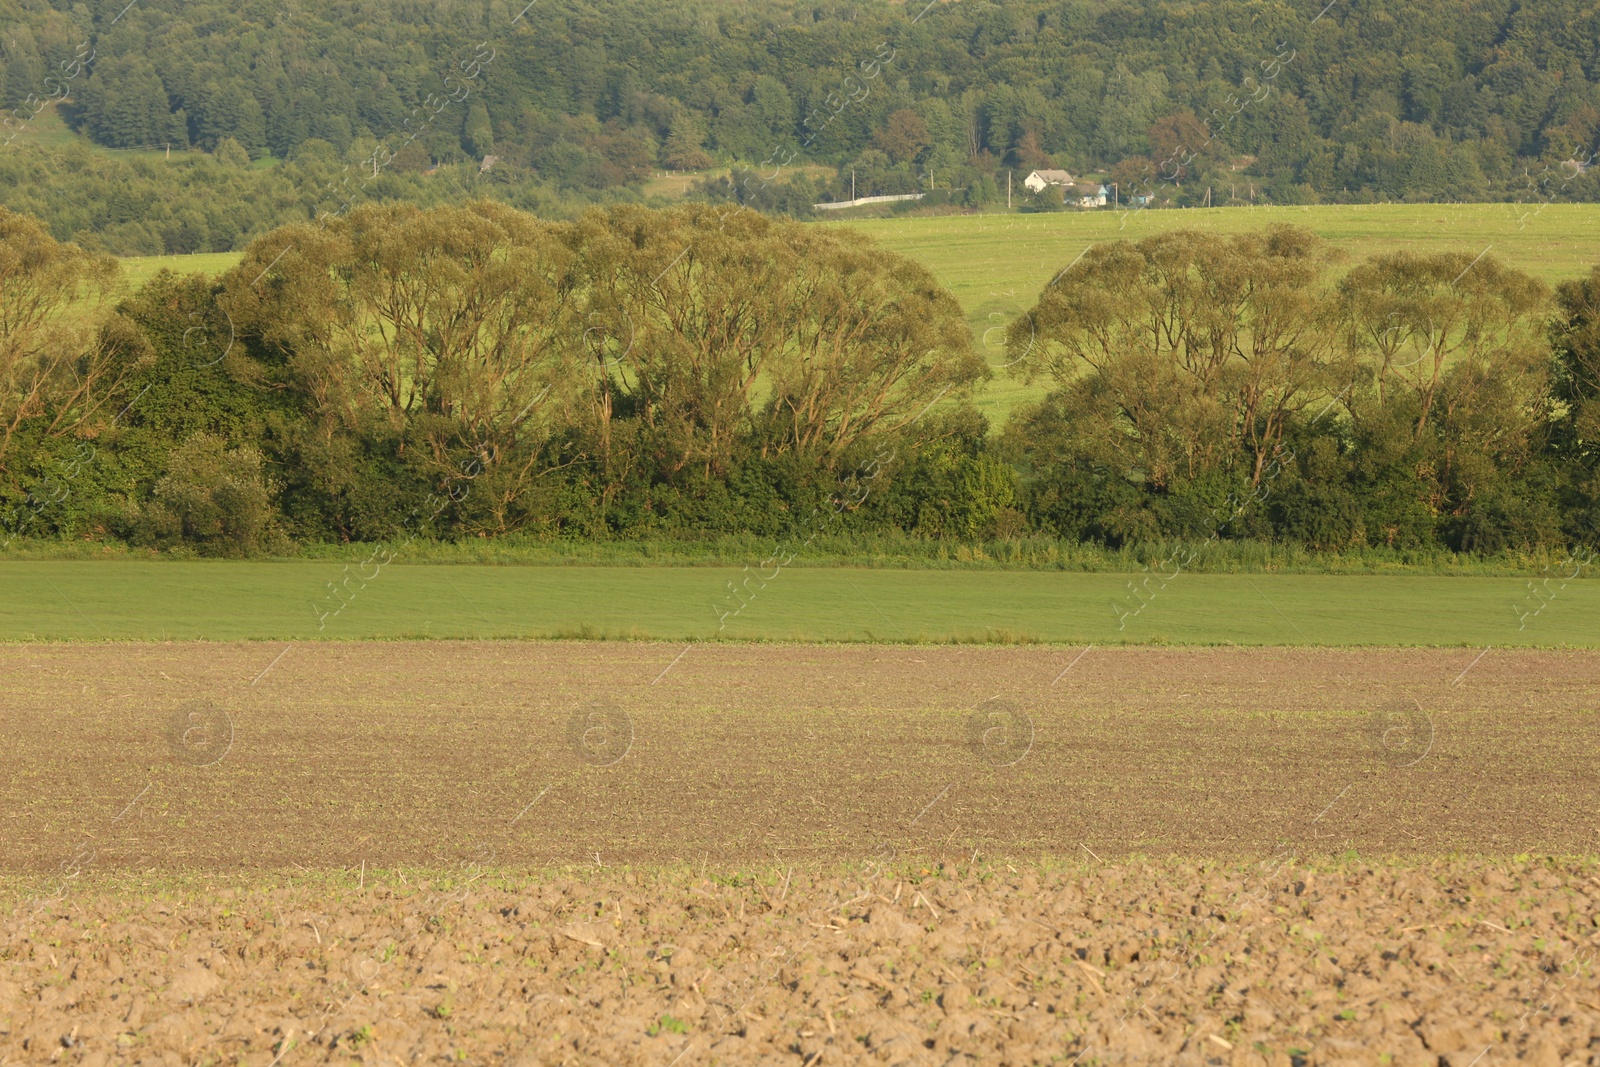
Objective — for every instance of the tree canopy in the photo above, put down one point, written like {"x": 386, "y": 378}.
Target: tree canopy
{"x": 1404, "y": 403}
{"x": 635, "y": 373}
{"x": 580, "y": 102}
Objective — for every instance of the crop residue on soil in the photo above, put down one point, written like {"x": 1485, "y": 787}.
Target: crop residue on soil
{"x": 228, "y": 757}
{"x": 885, "y": 962}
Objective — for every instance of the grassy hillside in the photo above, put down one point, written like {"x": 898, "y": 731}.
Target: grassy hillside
{"x": 995, "y": 264}
{"x": 48, "y": 130}
{"x": 136, "y": 270}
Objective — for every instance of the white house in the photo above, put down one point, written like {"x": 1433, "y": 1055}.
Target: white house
{"x": 1039, "y": 180}
{"x": 1088, "y": 195}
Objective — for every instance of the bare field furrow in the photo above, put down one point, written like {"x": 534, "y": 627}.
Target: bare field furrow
{"x": 562, "y": 853}
{"x": 223, "y": 757}
{"x": 884, "y": 962}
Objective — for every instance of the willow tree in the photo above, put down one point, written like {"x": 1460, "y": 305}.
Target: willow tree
{"x": 1417, "y": 318}
{"x": 726, "y": 331}
{"x": 1195, "y": 349}
{"x": 683, "y": 318}
{"x": 1457, "y": 352}
{"x": 60, "y": 362}
{"x": 450, "y": 326}
{"x": 649, "y": 347}
{"x": 872, "y": 339}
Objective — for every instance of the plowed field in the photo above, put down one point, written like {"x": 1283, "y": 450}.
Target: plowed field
{"x": 640, "y": 853}
{"x": 1152, "y": 963}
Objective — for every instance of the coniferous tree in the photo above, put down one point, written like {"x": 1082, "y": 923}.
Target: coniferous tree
{"x": 125, "y": 104}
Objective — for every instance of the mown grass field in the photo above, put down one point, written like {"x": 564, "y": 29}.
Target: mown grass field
{"x": 284, "y": 601}
{"x": 137, "y": 270}
{"x": 995, "y": 264}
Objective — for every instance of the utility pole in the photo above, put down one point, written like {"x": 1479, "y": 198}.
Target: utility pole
{"x": 852, "y": 184}
{"x": 1116, "y": 195}
{"x": 1008, "y": 190}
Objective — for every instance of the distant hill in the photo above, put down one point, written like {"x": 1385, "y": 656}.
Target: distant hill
{"x": 1192, "y": 103}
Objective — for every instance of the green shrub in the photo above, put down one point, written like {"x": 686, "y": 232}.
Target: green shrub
{"x": 213, "y": 497}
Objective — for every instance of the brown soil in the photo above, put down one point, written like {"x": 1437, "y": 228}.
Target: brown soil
{"x": 215, "y": 854}
{"x": 1174, "y": 963}
{"x": 168, "y": 756}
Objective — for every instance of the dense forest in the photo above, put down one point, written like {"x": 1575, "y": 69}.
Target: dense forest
{"x": 278, "y": 111}
{"x": 476, "y": 371}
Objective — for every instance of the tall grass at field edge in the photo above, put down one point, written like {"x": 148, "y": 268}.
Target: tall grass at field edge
{"x": 876, "y": 551}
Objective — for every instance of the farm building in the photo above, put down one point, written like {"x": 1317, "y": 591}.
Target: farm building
{"x": 1039, "y": 180}
{"x": 1089, "y": 194}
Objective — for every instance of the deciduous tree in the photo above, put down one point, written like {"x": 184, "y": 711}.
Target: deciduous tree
{"x": 58, "y": 365}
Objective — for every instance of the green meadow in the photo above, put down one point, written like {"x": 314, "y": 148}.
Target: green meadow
{"x": 996, "y": 264}
{"x": 137, "y": 270}
{"x": 49, "y": 130}
{"x": 153, "y": 601}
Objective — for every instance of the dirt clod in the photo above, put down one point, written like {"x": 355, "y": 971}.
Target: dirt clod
{"x": 1366, "y": 961}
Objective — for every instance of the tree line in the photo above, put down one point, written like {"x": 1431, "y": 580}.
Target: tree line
{"x": 475, "y": 371}
{"x": 633, "y": 372}
{"x": 1405, "y": 400}
{"x": 1216, "y": 102}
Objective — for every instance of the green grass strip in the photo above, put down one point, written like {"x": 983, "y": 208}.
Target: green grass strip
{"x": 283, "y": 601}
